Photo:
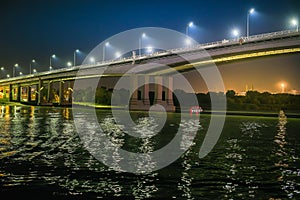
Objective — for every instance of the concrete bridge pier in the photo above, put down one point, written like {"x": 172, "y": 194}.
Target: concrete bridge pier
{"x": 151, "y": 94}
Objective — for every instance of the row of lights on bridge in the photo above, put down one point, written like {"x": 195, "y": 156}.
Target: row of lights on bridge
{"x": 149, "y": 49}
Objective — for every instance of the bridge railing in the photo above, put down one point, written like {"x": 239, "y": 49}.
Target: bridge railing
{"x": 195, "y": 47}
{"x": 233, "y": 41}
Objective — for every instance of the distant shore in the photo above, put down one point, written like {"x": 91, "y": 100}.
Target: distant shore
{"x": 255, "y": 113}
{"x": 228, "y": 112}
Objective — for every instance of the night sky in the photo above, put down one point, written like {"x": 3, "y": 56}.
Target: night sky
{"x": 37, "y": 29}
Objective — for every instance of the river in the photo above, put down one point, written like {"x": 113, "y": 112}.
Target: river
{"x": 41, "y": 155}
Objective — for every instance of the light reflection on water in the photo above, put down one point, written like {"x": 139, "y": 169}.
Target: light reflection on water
{"x": 255, "y": 158}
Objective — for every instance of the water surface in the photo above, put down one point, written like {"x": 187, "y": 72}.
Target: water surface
{"x": 42, "y": 155}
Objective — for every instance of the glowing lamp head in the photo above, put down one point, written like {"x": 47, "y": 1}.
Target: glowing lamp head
{"x": 235, "y": 32}
{"x": 69, "y": 64}
{"x": 294, "y": 22}
{"x": 92, "y": 59}
{"x": 191, "y": 24}
{"x": 251, "y": 11}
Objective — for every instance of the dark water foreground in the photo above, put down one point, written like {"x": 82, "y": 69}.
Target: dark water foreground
{"x": 42, "y": 156}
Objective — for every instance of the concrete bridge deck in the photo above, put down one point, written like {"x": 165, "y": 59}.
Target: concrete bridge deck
{"x": 28, "y": 88}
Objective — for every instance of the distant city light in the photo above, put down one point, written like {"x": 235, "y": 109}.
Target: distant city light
{"x": 282, "y": 87}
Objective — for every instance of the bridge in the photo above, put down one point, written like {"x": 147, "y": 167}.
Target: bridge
{"x": 56, "y": 87}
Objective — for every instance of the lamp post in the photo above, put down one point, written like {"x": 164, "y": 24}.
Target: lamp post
{"x": 104, "y": 47}
{"x": 140, "y": 43}
{"x": 76, "y": 51}
{"x": 53, "y": 56}
{"x": 248, "y": 18}
{"x": 294, "y": 22}
{"x": 2, "y": 69}
{"x": 14, "y": 69}
{"x": 187, "y": 28}
{"x": 33, "y": 61}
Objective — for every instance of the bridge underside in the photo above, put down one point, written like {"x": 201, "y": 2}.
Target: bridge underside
{"x": 56, "y": 87}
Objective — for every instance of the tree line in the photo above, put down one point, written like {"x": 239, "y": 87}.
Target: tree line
{"x": 252, "y": 101}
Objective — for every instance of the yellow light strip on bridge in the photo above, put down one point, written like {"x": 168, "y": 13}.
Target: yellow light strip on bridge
{"x": 227, "y": 59}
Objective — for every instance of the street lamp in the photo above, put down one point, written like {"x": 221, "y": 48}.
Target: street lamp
{"x": 235, "y": 33}
{"x": 53, "y": 56}
{"x": 105, "y": 45}
{"x": 21, "y": 73}
{"x": 69, "y": 64}
{"x": 294, "y": 22}
{"x": 14, "y": 69}
{"x": 33, "y": 61}
{"x": 7, "y": 75}
{"x": 2, "y": 68}
{"x": 34, "y": 71}
{"x": 76, "y": 51}
{"x": 140, "y": 43}
{"x": 118, "y": 54}
{"x": 92, "y": 59}
{"x": 149, "y": 49}
{"x": 187, "y": 28}
{"x": 248, "y": 17}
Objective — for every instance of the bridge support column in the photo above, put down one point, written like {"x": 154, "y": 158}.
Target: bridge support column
{"x": 134, "y": 90}
{"x": 39, "y": 92}
{"x": 146, "y": 91}
{"x": 140, "y": 100}
{"x": 10, "y": 92}
{"x": 18, "y": 93}
{"x": 60, "y": 91}
{"x": 158, "y": 89}
{"x": 29, "y": 93}
{"x": 170, "y": 91}
{"x": 49, "y": 92}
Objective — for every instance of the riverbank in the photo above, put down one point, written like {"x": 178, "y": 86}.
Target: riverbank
{"x": 209, "y": 112}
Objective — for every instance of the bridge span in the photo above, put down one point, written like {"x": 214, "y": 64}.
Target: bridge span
{"x": 56, "y": 87}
